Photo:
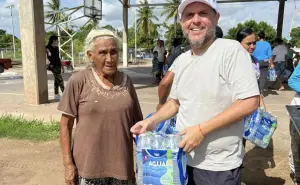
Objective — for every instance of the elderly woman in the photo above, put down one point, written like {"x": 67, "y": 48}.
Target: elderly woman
{"x": 105, "y": 105}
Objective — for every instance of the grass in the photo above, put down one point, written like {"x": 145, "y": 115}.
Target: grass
{"x": 12, "y": 127}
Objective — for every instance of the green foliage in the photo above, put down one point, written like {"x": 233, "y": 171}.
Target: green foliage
{"x": 171, "y": 33}
{"x": 145, "y": 24}
{"x": 171, "y": 11}
{"x": 295, "y": 34}
{"x": 270, "y": 32}
{"x": 19, "y": 128}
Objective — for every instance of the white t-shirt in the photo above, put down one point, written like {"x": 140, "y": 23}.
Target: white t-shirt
{"x": 205, "y": 86}
{"x": 161, "y": 52}
{"x": 280, "y": 51}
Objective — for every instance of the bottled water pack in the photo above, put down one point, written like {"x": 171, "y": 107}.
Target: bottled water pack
{"x": 159, "y": 160}
{"x": 272, "y": 74}
{"x": 259, "y": 127}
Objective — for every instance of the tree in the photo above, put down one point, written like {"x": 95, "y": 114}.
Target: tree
{"x": 93, "y": 23}
{"x": 170, "y": 34}
{"x": 257, "y": 27}
{"x": 295, "y": 34}
{"x": 145, "y": 24}
{"x": 171, "y": 11}
{"x": 55, "y": 14}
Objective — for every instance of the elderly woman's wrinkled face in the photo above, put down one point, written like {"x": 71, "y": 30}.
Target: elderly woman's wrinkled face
{"x": 105, "y": 55}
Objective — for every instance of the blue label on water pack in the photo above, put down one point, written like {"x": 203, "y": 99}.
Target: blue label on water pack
{"x": 158, "y": 167}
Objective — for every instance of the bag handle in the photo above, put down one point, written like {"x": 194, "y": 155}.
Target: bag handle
{"x": 183, "y": 177}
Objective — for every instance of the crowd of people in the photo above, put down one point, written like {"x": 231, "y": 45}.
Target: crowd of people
{"x": 211, "y": 87}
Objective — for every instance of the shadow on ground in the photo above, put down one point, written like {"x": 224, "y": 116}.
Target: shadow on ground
{"x": 256, "y": 161}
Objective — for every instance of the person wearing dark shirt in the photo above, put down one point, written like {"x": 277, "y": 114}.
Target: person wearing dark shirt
{"x": 55, "y": 65}
{"x": 263, "y": 53}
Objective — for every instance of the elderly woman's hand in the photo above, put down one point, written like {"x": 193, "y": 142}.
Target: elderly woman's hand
{"x": 70, "y": 174}
{"x": 143, "y": 126}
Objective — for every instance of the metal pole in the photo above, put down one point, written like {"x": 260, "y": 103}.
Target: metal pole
{"x": 13, "y": 29}
{"x": 73, "y": 64}
{"x": 125, "y": 34}
{"x": 135, "y": 35}
{"x": 280, "y": 18}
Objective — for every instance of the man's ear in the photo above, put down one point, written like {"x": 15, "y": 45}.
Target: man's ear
{"x": 217, "y": 18}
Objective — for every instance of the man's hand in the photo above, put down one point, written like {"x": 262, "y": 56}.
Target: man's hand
{"x": 142, "y": 127}
{"x": 70, "y": 174}
{"x": 158, "y": 106}
{"x": 192, "y": 137}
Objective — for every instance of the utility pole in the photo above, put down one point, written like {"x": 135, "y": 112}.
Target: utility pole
{"x": 12, "y": 24}
{"x": 135, "y": 35}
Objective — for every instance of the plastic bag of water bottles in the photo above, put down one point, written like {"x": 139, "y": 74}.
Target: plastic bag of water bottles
{"x": 272, "y": 74}
{"x": 159, "y": 160}
{"x": 259, "y": 127}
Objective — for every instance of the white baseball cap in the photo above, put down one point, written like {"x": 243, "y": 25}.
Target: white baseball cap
{"x": 184, "y": 3}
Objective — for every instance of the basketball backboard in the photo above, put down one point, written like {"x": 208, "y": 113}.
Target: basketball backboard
{"x": 93, "y": 9}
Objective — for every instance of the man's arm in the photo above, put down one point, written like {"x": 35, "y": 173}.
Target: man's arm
{"x": 167, "y": 111}
{"x": 233, "y": 114}
{"x": 165, "y": 88}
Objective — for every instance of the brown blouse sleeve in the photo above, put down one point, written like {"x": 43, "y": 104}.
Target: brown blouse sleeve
{"x": 70, "y": 99}
{"x": 137, "y": 112}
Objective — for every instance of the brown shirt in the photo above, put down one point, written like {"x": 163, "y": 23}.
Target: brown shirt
{"x": 103, "y": 144}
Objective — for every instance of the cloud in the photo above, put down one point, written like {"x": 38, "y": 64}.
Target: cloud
{"x": 231, "y": 14}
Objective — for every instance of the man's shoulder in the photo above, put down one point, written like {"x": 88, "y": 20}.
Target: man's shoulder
{"x": 226, "y": 47}
{"x": 225, "y": 43}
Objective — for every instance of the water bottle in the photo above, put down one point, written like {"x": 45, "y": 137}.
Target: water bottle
{"x": 251, "y": 124}
{"x": 156, "y": 145}
{"x": 139, "y": 158}
{"x": 175, "y": 139}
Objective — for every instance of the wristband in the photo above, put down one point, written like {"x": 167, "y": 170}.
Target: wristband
{"x": 200, "y": 130}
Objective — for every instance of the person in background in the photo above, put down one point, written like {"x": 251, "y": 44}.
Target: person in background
{"x": 175, "y": 52}
{"x": 278, "y": 60}
{"x": 219, "y": 32}
{"x": 214, "y": 88}
{"x": 155, "y": 67}
{"x": 290, "y": 56}
{"x": 294, "y": 156}
{"x": 166, "y": 83}
{"x": 55, "y": 65}
{"x": 263, "y": 53}
{"x": 247, "y": 38}
{"x": 104, "y": 103}
{"x": 161, "y": 54}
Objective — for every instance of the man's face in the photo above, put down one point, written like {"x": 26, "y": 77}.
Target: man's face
{"x": 199, "y": 23}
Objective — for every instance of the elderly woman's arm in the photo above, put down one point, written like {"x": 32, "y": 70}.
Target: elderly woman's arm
{"x": 66, "y": 126}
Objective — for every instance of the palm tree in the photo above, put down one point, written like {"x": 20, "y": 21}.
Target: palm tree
{"x": 93, "y": 23}
{"x": 145, "y": 19}
{"x": 54, "y": 14}
{"x": 171, "y": 11}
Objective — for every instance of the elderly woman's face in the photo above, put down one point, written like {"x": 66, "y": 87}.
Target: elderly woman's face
{"x": 105, "y": 55}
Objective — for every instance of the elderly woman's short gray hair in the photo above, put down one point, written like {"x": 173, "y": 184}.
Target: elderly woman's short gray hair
{"x": 95, "y": 34}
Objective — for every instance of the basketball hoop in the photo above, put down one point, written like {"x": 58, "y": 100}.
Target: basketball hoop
{"x": 93, "y": 9}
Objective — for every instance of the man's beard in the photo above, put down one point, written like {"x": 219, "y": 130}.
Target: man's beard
{"x": 203, "y": 40}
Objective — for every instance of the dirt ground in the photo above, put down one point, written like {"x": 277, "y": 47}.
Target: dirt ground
{"x": 31, "y": 163}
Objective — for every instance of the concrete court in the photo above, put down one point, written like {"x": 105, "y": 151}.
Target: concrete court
{"x": 262, "y": 166}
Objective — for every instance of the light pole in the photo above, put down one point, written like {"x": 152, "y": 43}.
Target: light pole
{"x": 135, "y": 35}
{"x": 12, "y": 24}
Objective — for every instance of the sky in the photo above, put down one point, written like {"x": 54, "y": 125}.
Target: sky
{"x": 231, "y": 14}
